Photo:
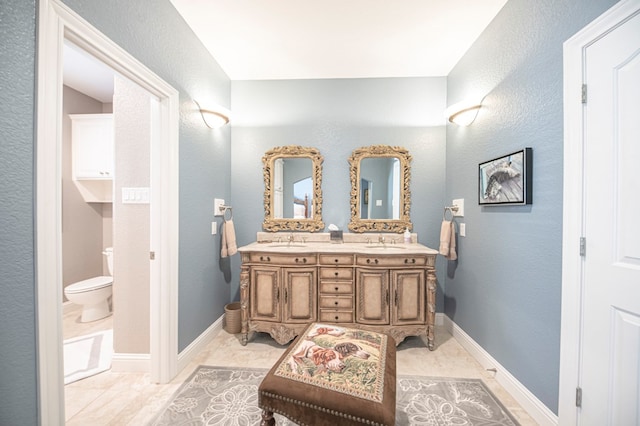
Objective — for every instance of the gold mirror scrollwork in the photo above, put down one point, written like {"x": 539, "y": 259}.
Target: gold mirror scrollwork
{"x": 272, "y": 222}
{"x": 360, "y": 197}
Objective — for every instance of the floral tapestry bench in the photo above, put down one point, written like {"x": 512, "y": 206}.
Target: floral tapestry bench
{"x": 332, "y": 375}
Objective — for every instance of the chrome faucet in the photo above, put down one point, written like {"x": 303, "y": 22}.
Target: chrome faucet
{"x": 291, "y": 238}
{"x": 381, "y": 239}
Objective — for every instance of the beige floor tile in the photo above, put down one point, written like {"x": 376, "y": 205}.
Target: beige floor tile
{"x": 130, "y": 399}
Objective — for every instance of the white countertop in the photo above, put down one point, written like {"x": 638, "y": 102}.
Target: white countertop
{"x": 329, "y": 247}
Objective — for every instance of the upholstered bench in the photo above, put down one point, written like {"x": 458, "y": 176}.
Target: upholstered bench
{"x": 332, "y": 375}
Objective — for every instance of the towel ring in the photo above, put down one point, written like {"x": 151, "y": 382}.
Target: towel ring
{"x": 450, "y": 209}
{"x": 224, "y": 210}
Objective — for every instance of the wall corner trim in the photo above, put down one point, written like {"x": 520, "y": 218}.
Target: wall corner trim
{"x": 199, "y": 344}
{"x": 532, "y": 405}
{"x": 130, "y": 363}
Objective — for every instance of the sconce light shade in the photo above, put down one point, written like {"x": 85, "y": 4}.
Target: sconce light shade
{"x": 463, "y": 113}
{"x": 214, "y": 116}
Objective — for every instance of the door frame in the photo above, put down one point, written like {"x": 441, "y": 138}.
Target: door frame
{"x": 57, "y": 22}
{"x": 573, "y": 204}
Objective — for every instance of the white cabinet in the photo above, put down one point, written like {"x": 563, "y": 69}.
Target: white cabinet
{"x": 92, "y": 156}
{"x": 92, "y": 136}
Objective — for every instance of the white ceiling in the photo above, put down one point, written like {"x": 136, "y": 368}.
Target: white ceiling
{"x": 86, "y": 74}
{"x": 301, "y": 39}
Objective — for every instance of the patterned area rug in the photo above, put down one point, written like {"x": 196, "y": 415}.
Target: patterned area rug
{"x": 227, "y": 396}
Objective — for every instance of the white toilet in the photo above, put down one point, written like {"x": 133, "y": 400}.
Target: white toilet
{"x": 93, "y": 294}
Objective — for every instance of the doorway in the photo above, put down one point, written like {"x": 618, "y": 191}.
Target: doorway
{"x": 57, "y": 23}
{"x": 600, "y": 347}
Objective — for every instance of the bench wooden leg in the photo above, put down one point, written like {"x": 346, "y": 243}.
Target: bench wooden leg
{"x": 267, "y": 418}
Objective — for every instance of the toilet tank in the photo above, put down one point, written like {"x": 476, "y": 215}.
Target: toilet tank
{"x": 108, "y": 252}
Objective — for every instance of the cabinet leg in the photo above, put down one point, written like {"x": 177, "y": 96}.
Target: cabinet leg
{"x": 431, "y": 337}
{"x": 245, "y": 339}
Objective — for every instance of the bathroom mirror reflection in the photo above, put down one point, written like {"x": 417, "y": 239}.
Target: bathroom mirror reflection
{"x": 293, "y": 189}
{"x": 380, "y": 196}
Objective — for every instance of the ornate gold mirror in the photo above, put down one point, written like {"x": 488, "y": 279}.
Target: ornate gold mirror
{"x": 292, "y": 189}
{"x": 380, "y": 195}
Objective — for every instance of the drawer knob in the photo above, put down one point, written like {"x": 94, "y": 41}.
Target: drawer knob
{"x": 336, "y": 318}
{"x": 409, "y": 261}
{"x": 336, "y": 288}
{"x": 262, "y": 258}
{"x": 336, "y": 274}
{"x": 336, "y": 260}
{"x": 335, "y": 303}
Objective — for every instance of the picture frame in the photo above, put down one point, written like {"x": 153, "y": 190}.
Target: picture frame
{"x": 506, "y": 180}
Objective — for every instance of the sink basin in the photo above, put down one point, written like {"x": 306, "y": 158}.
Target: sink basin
{"x": 386, "y": 246}
{"x": 285, "y": 245}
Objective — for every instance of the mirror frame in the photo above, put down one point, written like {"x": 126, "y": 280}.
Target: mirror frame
{"x": 380, "y": 225}
{"x": 313, "y": 224}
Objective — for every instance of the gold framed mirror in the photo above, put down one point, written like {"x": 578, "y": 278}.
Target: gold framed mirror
{"x": 380, "y": 194}
{"x": 292, "y": 189}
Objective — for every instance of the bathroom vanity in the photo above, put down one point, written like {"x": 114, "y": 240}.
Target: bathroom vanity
{"x": 370, "y": 279}
{"x": 373, "y": 282}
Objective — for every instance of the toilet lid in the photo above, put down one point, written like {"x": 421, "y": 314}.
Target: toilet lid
{"x": 90, "y": 284}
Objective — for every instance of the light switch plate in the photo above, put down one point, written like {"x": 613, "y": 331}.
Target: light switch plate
{"x": 135, "y": 195}
{"x": 463, "y": 230}
{"x": 460, "y": 204}
{"x": 217, "y": 202}
{"x": 214, "y": 228}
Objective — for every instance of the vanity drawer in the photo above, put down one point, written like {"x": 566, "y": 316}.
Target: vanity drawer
{"x": 391, "y": 260}
{"x": 336, "y": 273}
{"x": 335, "y": 316}
{"x": 283, "y": 259}
{"x": 336, "y": 287}
{"x": 336, "y": 259}
{"x": 336, "y": 302}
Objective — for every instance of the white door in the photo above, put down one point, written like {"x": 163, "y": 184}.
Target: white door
{"x": 610, "y": 329}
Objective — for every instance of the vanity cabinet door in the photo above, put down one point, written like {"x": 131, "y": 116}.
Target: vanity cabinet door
{"x": 299, "y": 298}
{"x": 265, "y": 293}
{"x": 372, "y": 296}
{"x": 409, "y": 297}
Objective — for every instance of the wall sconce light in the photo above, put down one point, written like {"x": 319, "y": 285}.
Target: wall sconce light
{"x": 214, "y": 116}
{"x": 463, "y": 113}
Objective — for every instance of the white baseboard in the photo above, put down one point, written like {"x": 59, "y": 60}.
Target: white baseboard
{"x": 198, "y": 345}
{"x": 532, "y": 405}
{"x": 131, "y": 363}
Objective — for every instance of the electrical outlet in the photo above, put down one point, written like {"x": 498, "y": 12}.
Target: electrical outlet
{"x": 459, "y": 203}
{"x": 217, "y": 202}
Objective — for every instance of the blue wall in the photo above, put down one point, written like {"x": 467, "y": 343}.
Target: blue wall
{"x": 18, "y": 404}
{"x": 337, "y": 116}
{"x": 505, "y": 291}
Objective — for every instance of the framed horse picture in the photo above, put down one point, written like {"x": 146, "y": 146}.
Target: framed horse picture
{"x": 506, "y": 180}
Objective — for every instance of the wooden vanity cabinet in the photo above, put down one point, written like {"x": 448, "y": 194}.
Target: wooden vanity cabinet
{"x": 278, "y": 294}
{"x": 372, "y": 288}
{"x": 392, "y": 293}
{"x": 336, "y": 289}
{"x": 390, "y": 297}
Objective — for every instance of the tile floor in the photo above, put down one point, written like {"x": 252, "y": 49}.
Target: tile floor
{"x": 131, "y": 399}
